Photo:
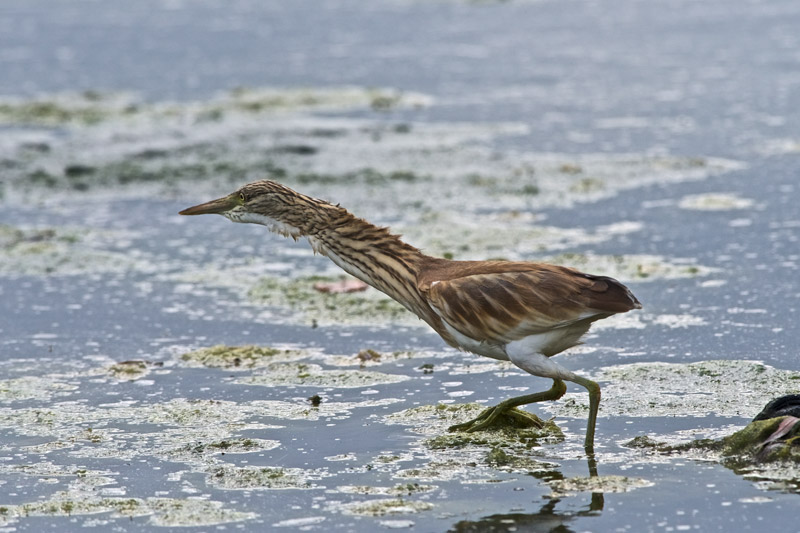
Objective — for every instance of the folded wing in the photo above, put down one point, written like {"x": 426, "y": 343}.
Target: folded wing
{"x": 500, "y": 302}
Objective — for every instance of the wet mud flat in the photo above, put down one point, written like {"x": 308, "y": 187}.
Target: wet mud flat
{"x": 164, "y": 372}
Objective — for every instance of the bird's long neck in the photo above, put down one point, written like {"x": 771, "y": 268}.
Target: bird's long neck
{"x": 368, "y": 252}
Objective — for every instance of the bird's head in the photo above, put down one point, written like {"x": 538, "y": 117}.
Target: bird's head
{"x": 264, "y": 202}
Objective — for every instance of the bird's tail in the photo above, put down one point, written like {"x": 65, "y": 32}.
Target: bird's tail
{"x": 608, "y": 294}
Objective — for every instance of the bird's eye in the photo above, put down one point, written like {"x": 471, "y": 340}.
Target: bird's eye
{"x": 241, "y": 196}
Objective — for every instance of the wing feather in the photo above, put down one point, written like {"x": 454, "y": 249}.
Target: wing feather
{"x": 502, "y": 305}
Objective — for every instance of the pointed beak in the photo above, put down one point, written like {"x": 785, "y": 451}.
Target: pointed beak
{"x": 217, "y": 206}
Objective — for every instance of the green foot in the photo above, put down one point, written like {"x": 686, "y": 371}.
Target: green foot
{"x": 498, "y": 417}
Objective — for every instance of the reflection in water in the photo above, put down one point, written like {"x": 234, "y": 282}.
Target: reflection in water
{"x": 546, "y": 519}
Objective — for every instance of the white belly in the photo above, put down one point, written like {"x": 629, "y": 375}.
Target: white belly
{"x": 495, "y": 351}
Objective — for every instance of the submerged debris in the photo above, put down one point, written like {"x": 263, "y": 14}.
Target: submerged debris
{"x": 368, "y": 355}
{"x": 427, "y": 368}
{"x": 315, "y": 400}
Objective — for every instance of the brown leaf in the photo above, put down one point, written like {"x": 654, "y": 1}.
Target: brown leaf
{"x": 341, "y": 286}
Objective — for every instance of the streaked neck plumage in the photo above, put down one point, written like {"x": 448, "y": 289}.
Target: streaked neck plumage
{"x": 371, "y": 254}
{"x": 368, "y": 252}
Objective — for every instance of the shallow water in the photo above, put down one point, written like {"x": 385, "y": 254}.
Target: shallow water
{"x": 655, "y": 142}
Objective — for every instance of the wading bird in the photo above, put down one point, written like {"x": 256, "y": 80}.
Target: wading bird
{"x": 517, "y": 311}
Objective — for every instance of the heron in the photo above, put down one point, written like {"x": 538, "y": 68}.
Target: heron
{"x": 524, "y": 312}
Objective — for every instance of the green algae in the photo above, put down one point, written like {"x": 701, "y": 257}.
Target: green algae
{"x": 92, "y": 107}
{"x": 195, "y": 433}
{"x": 312, "y": 375}
{"x": 401, "y": 489}
{"x": 163, "y": 512}
{"x": 47, "y": 469}
{"x": 368, "y": 357}
{"x": 646, "y": 442}
{"x": 12, "y": 237}
{"x": 169, "y": 512}
{"x": 83, "y": 497}
{"x": 271, "y": 99}
{"x": 322, "y": 308}
{"x": 509, "y": 437}
{"x": 206, "y": 452}
{"x": 460, "y": 235}
{"x": 365, "y": 176}
{"x": 780, "y": 146}
{"x": 383, "y": 507}
{"x": 726, "y": 388}
{"x": 445, "y": 415}
{"x": 513, "y": 428}
{"x": 747, "y": 452}
{"x": 715, "y": 202}
{"x": 441, "y": 468}
{"x": 48, "y": 251}
{"x": 85, "y": 108}
{"x": 496, "y": 456}
{"x": 605, "y": 484}
{"x": 474, "y": 466}
{"x": 182, "y": 412}
{"x": 129, "y": 370}
{"x": 266, "y": 478}
{"x": 633, "y": 267}
{"x": 748, "y": 443}
{"x": 163, "y": 145}
{"x": 473, "y": 456}
{"x": 239, "y": 357}
{"x": 33, "y": 388}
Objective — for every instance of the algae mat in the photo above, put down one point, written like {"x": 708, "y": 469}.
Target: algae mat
{"x": 211, "y": 443}
{"x": 162, "y": 373}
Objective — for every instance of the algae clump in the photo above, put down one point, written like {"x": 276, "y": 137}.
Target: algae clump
{"x": 385, "y": 507}
{"x": 128, "y": 370}
{"x": 605, "y": 484}
{"x": 514, "y": 429}
{"x": 301, "y": 374}
{"x": 230, "y": 357}
{"x": 162, "y": 511}
{"x": 253, "y": 477}
{"x": 764, "y": 449}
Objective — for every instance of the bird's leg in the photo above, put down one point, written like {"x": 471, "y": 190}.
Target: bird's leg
{"x": 594, "y": 402}
{"x": 488, "y": 416}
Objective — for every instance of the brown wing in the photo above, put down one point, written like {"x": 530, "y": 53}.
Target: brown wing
{"x": 501, "y": 302}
